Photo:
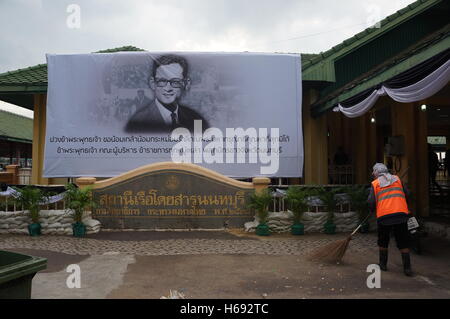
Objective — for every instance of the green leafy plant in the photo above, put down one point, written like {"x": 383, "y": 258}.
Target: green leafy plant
{"x": 260, "y": 202}
{"x": 328, "y": 198}
{"x": 3, "y": 206}
{"x": 297, "y": 201}
{"x": 358, "y": 199}
{"x": 30, "y": 198}
{"x": 78, "y": 200}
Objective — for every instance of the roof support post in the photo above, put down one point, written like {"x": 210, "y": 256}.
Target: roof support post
{"x": 364, "y": 141}
{"x": 39, "y": 125}
{"x": 409, "y": 121}
{"x": 315, "y": 143}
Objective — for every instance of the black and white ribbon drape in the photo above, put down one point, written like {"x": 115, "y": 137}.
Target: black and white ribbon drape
{"x": 420, "y": 90}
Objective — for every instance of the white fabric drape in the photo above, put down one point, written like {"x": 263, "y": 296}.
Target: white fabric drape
{"x": 362, "y": 107}
{"x": 52, "y": 199}
{"x": 9, "y": 192}
{"x": 423, "y": 89}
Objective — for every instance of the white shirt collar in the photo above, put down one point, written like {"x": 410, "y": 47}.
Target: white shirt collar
{"x": 165, "y": 113}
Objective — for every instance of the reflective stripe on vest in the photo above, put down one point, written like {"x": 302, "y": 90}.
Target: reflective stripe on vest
{"x": 390, "y": 199}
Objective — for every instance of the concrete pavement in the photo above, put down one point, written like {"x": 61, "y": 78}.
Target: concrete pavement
{"x": 229, "y": 264}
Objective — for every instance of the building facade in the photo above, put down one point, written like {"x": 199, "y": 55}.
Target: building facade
{"x": 377, "y": 97}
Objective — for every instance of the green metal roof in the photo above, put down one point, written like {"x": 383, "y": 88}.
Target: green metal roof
{"x": 34, "y": 79}
{"x": 14, "y": 127}
{"x": 423, "y": 50}
{"x": 307, "y": 57}
{"x": 403, "y": 40}
{"x": 321, "y": 68}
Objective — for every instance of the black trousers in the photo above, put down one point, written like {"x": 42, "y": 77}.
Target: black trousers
{"x": 401, "y": 234}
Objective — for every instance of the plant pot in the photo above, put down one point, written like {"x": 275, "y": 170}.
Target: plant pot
{"x": 297, "y": 229}
{"x": 262, "y": 230}
{"x": 79, "y": 229}
{"x": 329, "y": 228}
{"x": 34, "y": 229}
{"x": 364, "y": 229}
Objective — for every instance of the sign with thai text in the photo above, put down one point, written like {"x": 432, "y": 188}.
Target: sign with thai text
{"x": 172, "y": 199}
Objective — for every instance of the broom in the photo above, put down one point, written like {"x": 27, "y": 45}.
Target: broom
{"x": 334, "y": 251}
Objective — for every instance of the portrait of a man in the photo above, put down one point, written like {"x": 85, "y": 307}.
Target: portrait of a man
{"x": 169, "y": 80}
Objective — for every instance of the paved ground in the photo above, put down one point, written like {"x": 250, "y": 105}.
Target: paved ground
{"x": 229, "y": 264}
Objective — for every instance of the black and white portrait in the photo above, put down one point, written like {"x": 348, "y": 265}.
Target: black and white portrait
{"x": 169, "y": 80}
{"x": 155, "y": 93}
{"x": 117, "y": 111}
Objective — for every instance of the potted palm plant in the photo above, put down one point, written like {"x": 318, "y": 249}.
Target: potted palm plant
{"x": 296, "y": 198}
{"x": 78, "y": 200}
{"x": 30, "y": 198}
{"x": 260, "y": 202}
{"x": 358, "y": 199}
{"x": 328, "y": 198}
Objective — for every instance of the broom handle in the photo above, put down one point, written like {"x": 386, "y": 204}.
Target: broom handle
{"x": 368, "y": 215}
{"x": 359, "y": 226}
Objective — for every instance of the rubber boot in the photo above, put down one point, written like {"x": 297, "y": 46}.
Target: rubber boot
{"x": 383, "y": 259}
{"x": 407, "y": 264}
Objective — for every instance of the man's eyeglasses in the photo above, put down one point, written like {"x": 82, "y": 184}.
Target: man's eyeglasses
{"x": 175, "y": 83}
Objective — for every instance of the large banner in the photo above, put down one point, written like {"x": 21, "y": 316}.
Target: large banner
{"x": 236, "y": 113}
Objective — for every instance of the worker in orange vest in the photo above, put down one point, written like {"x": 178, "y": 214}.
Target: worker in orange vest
{"x": 388, "y": 197}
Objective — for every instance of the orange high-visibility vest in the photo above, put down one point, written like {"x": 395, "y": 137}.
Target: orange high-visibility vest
{"x": 390, "y": 199}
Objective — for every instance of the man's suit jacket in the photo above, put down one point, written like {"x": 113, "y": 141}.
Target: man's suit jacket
{"x": 149, "y": 119}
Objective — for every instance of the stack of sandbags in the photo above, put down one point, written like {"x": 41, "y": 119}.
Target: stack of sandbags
{"x": 92, "y": 225}
{"x": 314, "y": 221}
{"x": 14, "y": 222}
{"x": 56, "y": 222}
{"x": 53, "y": 222}
{"x": 280, "y": 222}
{"x": 346, "y": 222}
{"x": 251, "y": 226}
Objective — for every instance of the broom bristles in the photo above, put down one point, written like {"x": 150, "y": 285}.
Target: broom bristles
{"x": 332, "y": 252}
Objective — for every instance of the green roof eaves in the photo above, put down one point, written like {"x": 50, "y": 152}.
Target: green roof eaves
{"x": 14, "y": 126}
{"x": 369, "y": 34}
{"x": 13, "y": 139}
{"x": 23, "y": 88}
{"x": 34, "y": 79}
{"x": 30, "y": 68}
{"x": 23, "y": 81}
{"x": 324, "y": 71}
{"x": 385, "y": 75}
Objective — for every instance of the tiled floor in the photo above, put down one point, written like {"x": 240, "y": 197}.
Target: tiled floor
{"x": 275, "y": 245}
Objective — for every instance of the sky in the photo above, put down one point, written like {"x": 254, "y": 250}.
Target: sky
{"x": 32, "y": 28}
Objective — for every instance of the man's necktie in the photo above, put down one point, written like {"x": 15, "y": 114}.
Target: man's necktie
{"x": 174, "y": 120}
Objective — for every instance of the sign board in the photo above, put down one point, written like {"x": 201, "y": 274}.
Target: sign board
{"x": 171, "y": 198}
{"x": 235, "y": 113}
{"x": 437, "y": 140}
